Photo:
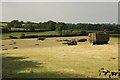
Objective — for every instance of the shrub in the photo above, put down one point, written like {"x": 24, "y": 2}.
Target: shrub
{"x": 83, "y": 33}
{"x": 5, "y": 30}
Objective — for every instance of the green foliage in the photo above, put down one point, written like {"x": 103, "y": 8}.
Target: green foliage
{"x": 16, "y": 23}
{"x": 59, "y": 26}
{"x": 30, "y": 26}
{"x": 5, "y": 30}
{"x": 51, "y": 25}
{"x": 83, "y": 33}
{"x": 9, "y": 26}
{"x": 22, "y": 35}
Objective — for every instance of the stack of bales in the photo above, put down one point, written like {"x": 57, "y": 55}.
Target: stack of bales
{"x": 99, "y": 37}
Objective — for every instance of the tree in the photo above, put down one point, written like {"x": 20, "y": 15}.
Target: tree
{"x": 5, "y": 30}
{"x": 16, "y": 24}
{"x": 29, "y": 26}
{"x": 117, "y": 29}
{"x": 59, "y": 27}
{"x": 10, "y": 25}
{"x": 35, "y": 26}
{"x": 51, "y": 25}
{"x": 83, "y": 33}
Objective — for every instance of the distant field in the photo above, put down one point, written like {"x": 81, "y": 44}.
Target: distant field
{"x": 17, "y": 29}
{"x": 23, "y": 29}
{"x": 52, "y": 59}
{"x": 3, "y": 24}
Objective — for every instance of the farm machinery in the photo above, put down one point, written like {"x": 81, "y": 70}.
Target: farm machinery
{"x": 72, "y": 42}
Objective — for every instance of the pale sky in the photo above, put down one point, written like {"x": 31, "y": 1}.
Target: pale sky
{"x": 73, "y": 12}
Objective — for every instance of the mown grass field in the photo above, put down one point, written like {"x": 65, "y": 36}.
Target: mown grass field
{"x": 52, "y": 59}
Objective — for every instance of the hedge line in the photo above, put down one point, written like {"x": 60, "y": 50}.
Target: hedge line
{"x": 28, "y": 30}
{"x": 6, "y": 30}
{"x": 36, "y": 36}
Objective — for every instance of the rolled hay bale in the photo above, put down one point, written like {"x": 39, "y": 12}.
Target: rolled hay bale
{"x": 4, "y": 49}
{"x": 2, "y": 45}
{"x": 36, "y": 44}
{"x": 65, "y": 43}
{"x": 10, "y": 44}
{"x": 41, "y": 38}
{"x": 82, "y": 40}
{"x": 11, "y": 40}
{"x": 59, "y": 40}
{"x": 65, "y": 40}
{"x": 113, "y": 57}
{"x": 14, "y": 42}
{"x": 15, "y": 47}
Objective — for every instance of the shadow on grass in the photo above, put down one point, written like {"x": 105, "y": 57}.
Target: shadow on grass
{"x": 51, "y": 74}
{"x": 12, "y": 65}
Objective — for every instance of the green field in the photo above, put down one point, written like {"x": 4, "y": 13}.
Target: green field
{"x": 18, "y": 34}
{"x": 52, "y": 59}
{"x": 3, "y": 24}
{"x": 17, "y": 29}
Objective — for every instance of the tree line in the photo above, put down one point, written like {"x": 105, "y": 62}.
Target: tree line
{"x": 58, "y": 26}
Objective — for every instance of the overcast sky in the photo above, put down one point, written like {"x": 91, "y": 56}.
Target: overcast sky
{"x": 73, "y": 12}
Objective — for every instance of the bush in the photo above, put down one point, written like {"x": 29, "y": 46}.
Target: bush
{"x": 11, "y": 37}
{"x": 22, "y": 35}
{"x": 83, "y": 33}
{"x": 5, "y": 30}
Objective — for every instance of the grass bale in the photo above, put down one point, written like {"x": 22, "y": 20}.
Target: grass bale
{"x": 113, "y": 57}
{"x": 62, "y": 40}
{"x": 41, "y": 38}
{"x": 65, "y": 43}
{"x": 65, "y": 40}
{"x": 82, "y": 40}
{"x": 2, "y": 45}
{"x": 59, "y": 40}
{"x": 4, "y": 49}
{"x": 36, "y": 44}
{"x": 14, "y": 42}
{"x": 15, "y": 47}
{"x": 10, "y": 44}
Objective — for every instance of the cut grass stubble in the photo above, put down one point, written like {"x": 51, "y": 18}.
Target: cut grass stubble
{"x": 60, "y": 60}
